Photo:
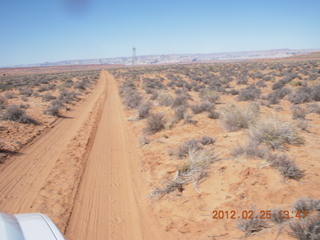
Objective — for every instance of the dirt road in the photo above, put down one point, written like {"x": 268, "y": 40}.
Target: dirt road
{"x": 84, "y": 173}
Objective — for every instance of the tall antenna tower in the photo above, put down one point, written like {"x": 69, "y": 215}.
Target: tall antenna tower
{"x": 134, "y": 56}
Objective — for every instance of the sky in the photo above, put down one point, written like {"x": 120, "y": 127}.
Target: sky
{"x": 37, "y": 31}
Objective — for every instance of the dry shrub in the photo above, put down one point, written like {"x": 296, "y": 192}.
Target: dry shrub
{"x": 143, "y": 140}
{"x": 180, "y": 113}
{"x": 16, "y": 114}
{"x": 298, "y": 112}
{"x": 213, "y": 114}
{"x": 54, "y": 109}
{"x": 253, "y": 225}
{"x": 209, "y": 95}
{"x": 250, "y": 93}
{"x": 187, "y": 118}
{"x": 274, "y": 134}
{"x": 169, "y": 187}
{"x": 202, "y": 107}
{"x": 164, "y": 98}
{"x": 155, "y": 123}
{"x": 301, "y": 95}
{"x": 3, "y": 102}
{"x": 144, "y": 110}
{"x": 276, "y": 217}
{"x": 180, "y": 100}
{"x": 207, "y": 140}
{"x": 250, "y": 149}
{"x": 307, "y": 204}
{"x": 187, "y": 146}
{"x": 10, "y": 95}
{"x": 197, "y": 166}
{"x": 315, "y": 92}
{"x": 302, "y": 124}
{"x": 235, "y": 117}
{"x": 306, "y": 229}
{"x": 132, "y": 99}
{"x": 285, "y": 165}
{"x": 194, "y": 171}
{"x": 313, "y": 108}
{"x": 48, "y": 97}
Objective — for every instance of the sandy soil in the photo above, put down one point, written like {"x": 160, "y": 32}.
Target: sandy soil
{"x": 91, "y": 177}
{"x": 84, "y": 174}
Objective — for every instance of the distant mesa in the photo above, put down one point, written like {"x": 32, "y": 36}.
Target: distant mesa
{"x": 181, "y": 58}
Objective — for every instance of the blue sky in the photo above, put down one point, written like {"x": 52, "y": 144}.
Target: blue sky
{"x": 36, "y": 31}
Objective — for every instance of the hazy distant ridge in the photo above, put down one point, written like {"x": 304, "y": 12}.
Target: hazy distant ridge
{"x": 178, "y": 58}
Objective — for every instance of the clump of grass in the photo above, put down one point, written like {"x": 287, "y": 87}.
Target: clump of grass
{"x": 274, "y": 134}
{"x": 16, "y": 114}
{"x": 235, "y": 117}
{"x": 155, "y": 123}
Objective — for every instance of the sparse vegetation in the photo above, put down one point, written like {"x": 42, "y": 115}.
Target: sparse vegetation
{"x": 235, "y": 117}
{"x": 201, "y": 93}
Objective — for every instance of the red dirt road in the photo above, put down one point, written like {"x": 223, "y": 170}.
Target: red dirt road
{"x": 84, "y": 173}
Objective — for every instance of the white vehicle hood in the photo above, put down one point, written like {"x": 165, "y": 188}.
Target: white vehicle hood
{"x": 32, "y": 226}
